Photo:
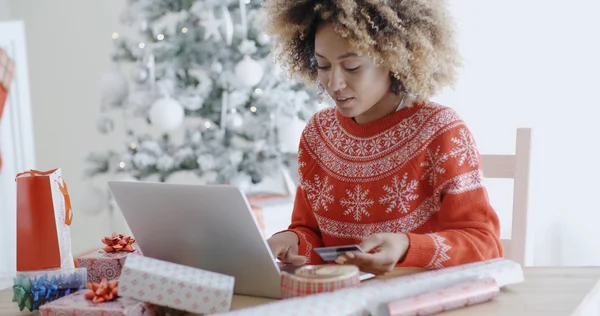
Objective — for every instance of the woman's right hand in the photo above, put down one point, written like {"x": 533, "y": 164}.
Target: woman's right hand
{"x": 284, "y": 246}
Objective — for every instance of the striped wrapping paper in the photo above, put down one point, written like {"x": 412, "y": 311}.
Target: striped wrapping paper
{"x": 371, "y": 298}
{"x": 310, "y": 280}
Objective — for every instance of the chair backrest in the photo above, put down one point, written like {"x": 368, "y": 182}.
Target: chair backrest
{"x": 514, "y": 167}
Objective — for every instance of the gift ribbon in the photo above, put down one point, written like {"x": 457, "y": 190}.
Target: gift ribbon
{"x": 21, "y": 291}
{"x": 313, "y": 279}
{"x": 62, "y": 186}
{"x": 39, "y": 291}
{"x": 33, "y": 173}
{"x": 118, "y": 243}
{"x": 102, "y": 292}
{"x": 51, "y": 288}
{"x": 63, "y": 189}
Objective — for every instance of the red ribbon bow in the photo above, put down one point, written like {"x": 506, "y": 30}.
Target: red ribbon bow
{"x": 102, "y": 292}
{"x": 118, "y": 243}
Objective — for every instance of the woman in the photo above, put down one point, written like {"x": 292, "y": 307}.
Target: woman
{"x": 386, "y": 167}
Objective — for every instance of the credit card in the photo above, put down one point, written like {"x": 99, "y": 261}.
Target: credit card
{"x": 331, "y": 253}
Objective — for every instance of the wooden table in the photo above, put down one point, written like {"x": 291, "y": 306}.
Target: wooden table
{"x": 546, "y": 291}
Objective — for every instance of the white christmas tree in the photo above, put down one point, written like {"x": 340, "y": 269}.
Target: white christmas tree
{"x": 201, "y": 70}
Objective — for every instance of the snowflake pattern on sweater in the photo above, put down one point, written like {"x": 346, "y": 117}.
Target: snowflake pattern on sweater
{"x": 416, "y": 171}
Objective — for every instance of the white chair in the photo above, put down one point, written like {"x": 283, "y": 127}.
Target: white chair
{"x": 514, "y": 167}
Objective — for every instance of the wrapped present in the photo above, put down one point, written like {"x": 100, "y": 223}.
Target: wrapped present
{"x": 78, "y": 304}
{"x": 35, "y": 288}
{"x": 176, "y": 286}
{"x": 103, "y": 299}
{"x": 109, "y": 261}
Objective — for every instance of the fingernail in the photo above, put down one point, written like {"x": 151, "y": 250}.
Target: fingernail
{"x": 350, "y": 255}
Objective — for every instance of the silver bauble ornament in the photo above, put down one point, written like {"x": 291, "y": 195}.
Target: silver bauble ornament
{"x": 263, "y": 38}
{"x": 140, "y": 74}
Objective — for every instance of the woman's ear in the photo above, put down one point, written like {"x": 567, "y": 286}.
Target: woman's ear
{"x": 396, "y": 85}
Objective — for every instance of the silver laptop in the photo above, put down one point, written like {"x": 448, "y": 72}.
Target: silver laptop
{"x": 211, "y": 227}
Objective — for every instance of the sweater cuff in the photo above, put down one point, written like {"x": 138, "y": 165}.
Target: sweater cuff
{"x": 420, "y": 252}
{"x": 305, "y": 247}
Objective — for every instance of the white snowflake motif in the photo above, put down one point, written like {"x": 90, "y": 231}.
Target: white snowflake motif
{"x": 349, "y": 145}
{"x": 301, "y": 162}
{"x": 400, "y": 194}
{"x": 357, "y": 203}
{"x": 407, "y": 128}
{"x": 433, "y": 165}
{"x": 319, "y": 193}
{"x": 465, "y": 150}
{"x": 331, "y": 131}
{"x": 376, "y": 146}
{"x": 389, "y": 138}
{"x": 362, "y": 148}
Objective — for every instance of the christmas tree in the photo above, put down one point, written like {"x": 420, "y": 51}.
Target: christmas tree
{"x": 201, "y": 70}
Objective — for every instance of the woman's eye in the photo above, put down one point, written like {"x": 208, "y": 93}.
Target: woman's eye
{"x": 322, "y": 67}
{"x": 353, "y": 69}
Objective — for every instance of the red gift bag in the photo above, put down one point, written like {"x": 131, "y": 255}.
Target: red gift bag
{"x": 43, "y": 218}
{"x": 7, "y": 70}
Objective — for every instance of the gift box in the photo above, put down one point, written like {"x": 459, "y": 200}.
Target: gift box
{"x": 175, "y": 286}
{"x": 33, "y": 289}
{"x": 77, "y": 304}
{"x": 109, "y": 261}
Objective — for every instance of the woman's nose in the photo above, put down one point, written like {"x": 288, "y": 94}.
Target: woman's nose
{"x": 336, "y": 81}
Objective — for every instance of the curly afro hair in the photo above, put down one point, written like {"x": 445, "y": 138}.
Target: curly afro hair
{"x": 414, "y": 38}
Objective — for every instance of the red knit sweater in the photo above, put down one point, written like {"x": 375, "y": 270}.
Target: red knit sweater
{"x": 416, "y": 171}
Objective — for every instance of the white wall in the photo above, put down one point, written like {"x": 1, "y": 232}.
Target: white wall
{"x": 535, "y": 64}
{"x": 69, "y": 42}
{"x": 528, "y": 63}
{"x": 4, "y": 12}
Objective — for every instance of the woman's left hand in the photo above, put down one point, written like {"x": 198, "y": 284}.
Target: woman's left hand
{"x": 381, "y": 253}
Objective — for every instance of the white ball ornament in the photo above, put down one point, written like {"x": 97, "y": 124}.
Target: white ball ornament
{"x": 249, "y": 72}
{"x": 263, "y": 38}
{"x": 166, "y": 114}
{"x": 235, "y": 121}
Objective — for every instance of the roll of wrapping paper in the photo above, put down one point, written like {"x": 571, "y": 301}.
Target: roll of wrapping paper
{"x": 313, "y": 279}
{"x": 370, "y": 297}
{"x": 450, "y": 298}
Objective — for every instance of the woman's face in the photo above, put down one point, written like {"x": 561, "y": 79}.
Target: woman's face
{"x": 357, "y": 85}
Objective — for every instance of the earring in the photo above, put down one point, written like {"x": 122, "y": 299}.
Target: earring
{"x": 321, "y": 92}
